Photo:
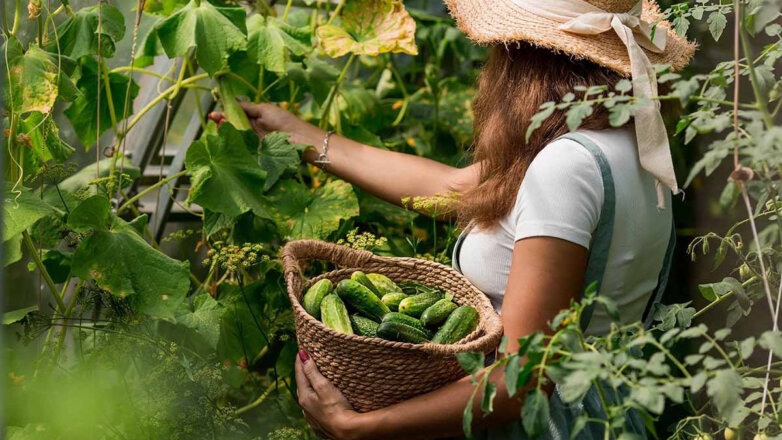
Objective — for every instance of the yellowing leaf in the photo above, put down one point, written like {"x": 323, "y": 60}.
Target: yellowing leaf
{"x": 370, "y": 27}
{"x": 34, "y": 79}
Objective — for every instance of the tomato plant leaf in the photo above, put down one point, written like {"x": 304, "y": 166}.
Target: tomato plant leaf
{"x": 725, "y": 390}
{"x": 300, "y": 213}
{"x": 122, "y": 263}
{"x": 535, "y": 413}
{"x": 370, "y": 27}
{"x": 269, "y": 37}
{"x": 227, "y": 178}
{"x": 78, "y": 35}
{"x": 83, "y": 112}
{"x": 21, "y": 209}
{"x": 277, "y": 155}
{"x": 17, "y": 315}
{"x": 215, "y": 33}
{"x": 34, "y": 78}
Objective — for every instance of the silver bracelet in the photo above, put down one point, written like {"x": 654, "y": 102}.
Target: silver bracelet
{"x": 323, "y": 158}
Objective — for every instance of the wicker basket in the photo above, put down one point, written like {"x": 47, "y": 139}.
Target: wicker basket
{"x": 373, "y": 373}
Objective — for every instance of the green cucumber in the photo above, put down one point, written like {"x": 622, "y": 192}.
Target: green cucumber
{"x": 437, "y": 313}
{"x": 233, "y": 112}
{"x": 362, "y": 278}
{"x": 393, "y": 299}
{"x": 315, "y": 295}
{"x": 404, "y": 319}
{"x": 462, "y": 322}
{"x": 383, "y": 283}
{"x": 395, "y": 331}
{"x": 415, "y": 288}
{"x": 363, "y": 326}
{"x": 335, "y": 315}
{"x": 361, "y": 299}
{"x": 415, "y": 305}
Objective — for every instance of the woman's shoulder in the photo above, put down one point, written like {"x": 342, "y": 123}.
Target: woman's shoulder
{"x": 562, "y": 160}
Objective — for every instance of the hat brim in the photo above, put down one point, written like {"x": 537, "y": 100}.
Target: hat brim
{"x": 502, "y": 21}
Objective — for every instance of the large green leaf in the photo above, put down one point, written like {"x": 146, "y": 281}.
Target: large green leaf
{"x": 370, "y": 27}
{"x": 17, "y": 315}
{"x": 44, "y": 142}
{"x": 78, "y": 35}
{"x": 214, "y": 32}
{"x": 301, "y": 213}
{"x": 277, "y": 155}
{"x": 21, "y": 209}
{"x": 12, "y": 250}
{"x": 121, "y": 262}
{"x": 227, "y": 178}
{"x": 269, "y": 38}
{"x": 84, "y": 111}
{"x": 205, "y": 318}
{"x": 34, "y": 78}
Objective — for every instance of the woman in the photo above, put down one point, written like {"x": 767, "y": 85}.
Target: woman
{"x": 546, "y": 215}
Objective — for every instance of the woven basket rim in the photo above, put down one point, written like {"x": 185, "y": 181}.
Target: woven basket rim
{"x": 483, "y": 339}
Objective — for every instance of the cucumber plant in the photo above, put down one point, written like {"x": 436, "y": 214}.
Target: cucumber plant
{"x": 207, "y": 324}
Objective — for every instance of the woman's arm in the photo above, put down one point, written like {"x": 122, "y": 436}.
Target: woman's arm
{"x": 546, "y": 273}
{"x": 386, "y": 174}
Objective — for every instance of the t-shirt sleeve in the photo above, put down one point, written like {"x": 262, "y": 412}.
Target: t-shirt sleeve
{"x": 561, "y": 195}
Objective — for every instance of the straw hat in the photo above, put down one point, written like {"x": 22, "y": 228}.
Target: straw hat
{"x": 505, "y": 21}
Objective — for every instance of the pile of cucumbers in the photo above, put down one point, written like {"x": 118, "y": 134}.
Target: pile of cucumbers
{"x": 374, "y": 306}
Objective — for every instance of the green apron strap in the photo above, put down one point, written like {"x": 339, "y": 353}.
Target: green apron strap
{"x": 601, "y": 238}
{"x": 662, "y": 281}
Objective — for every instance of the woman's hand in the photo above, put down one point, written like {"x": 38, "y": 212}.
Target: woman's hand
{"x": 266, "y": 118}
{"x": 325, "y": 408}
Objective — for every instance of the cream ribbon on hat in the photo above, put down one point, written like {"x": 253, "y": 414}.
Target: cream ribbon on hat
{"x": 580, "y": 17}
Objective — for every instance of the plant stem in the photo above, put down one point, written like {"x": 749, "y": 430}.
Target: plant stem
{"x": 287, "y": 10}
{"x": 161, "y": 97}
{"x": 760, "y": 101}
{"x": 46, "y": 277}
{"x": 141, "y": 70}
{"x": 17, "y": 10}
{"x": 272, "y": 386}
{"x": 336, "y": 12}
{"x": 722, "y": 298}
{"x": 324, "y": 121}
{"x": 151, "y": 188}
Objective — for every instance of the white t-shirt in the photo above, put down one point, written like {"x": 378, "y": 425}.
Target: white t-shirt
{"x": 562, "y": 196}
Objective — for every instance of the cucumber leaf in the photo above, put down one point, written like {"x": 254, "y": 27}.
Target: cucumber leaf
{"x": 215, "y": 33}
{"x": 83, "y": 112}
{"x": 227, "y": 178}
{"x": 21, "y": 209}
{"x": 122, "y": 263}
{"x": 268, "y": 39}
{"x": 79, "y": 33}
{"x": 301, "y": 213}
{"x": 277, "y": 155}
{"x": 34, "y": 78}
{"x": 370, "y": 27}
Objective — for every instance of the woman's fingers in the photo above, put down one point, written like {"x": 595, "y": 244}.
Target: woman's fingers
{"x": 252, "y": 110}
{"x": 319, "y": 383}
{"x": 217, "y": 117}
{"x": 305, "y": 390}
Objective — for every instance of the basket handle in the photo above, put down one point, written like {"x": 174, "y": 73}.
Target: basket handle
{"x": 320, "y": 250}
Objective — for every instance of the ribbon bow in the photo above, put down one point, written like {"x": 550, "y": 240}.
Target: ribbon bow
{"x": 580, "y": 17}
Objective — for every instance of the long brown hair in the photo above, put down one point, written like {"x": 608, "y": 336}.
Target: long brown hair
{"x": 514, "y": 83}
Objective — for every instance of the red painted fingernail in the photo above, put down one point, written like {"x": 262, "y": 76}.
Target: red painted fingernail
{"x": 304, "y": 356}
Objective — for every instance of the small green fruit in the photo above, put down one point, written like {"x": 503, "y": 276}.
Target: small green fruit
{"x": 760, "y": 436}
{"x": 730, "y": 434}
